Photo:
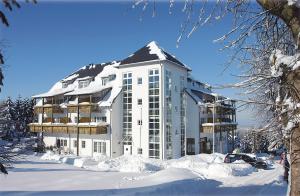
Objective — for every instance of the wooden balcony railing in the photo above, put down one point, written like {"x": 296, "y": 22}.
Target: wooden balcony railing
{"x": 49, "y": 109}
{"x": 217, "y": 128}
{"x": 86, "y": 108}
{"x": 219, "y": 120}
{"x": 69, "y": 129}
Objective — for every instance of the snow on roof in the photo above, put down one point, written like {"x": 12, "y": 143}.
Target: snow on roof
{"x": 195, "y": 97}
{"x": 87, "y": 72}
{"x": 151, "y": 52}
{"x": 56, "y": 90}
{"x": 154, "y": 49}
{"x": 110, "y": 97}
{"x": 71, "y": 77}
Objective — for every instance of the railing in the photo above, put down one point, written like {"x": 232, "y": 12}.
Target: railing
{"x": 48, "y": 109}
{"x": 69, "y": 129}
{"x": 219, "y": 120}
{"x": 217, "y": 128}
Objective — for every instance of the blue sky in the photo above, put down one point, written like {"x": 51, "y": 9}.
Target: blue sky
{"x": 48, "y": 41}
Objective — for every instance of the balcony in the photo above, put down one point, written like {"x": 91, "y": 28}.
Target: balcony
{"x": 85, "y": 108}
{"x": 208, "y": 128}
{"x": 219, "y": 120}
{"x": 48, "y": 109}
{"x": 69, "y": 129}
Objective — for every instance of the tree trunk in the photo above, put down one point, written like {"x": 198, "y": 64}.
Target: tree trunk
{"x": 288, "y": 13}
{"x": 295, "y": 162}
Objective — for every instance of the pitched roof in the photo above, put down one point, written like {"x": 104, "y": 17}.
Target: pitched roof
{"x": 151, "y": 51}
{"x": 91, "y": 70}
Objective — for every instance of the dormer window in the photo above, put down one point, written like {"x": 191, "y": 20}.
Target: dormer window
{"x": 104, "y": 81}
{"x": 112, "y": 77}
{"x": 83, "y": 83}
{"x": 65, "y": 84}
{"x": 107, "y": 79}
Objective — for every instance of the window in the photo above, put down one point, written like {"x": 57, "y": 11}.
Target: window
{"x": 168, "y": 108}
{"x": 140, "y": 81}
{"x": 83, "y": 83}
{"x": 140, "y": 101}
{"x": 154, "y": 122}
{"x": 112, "y": 77}
{"x": 61, "y": 143}
{"x": 104, "y": 81}
{"x": 140, "y": 122}
{"x": 64, "y": 84}
{"x": 100, "y": 147}
{"x": 99, "y": 119}
{"x": 75, "y": 143}
{"x": 82, "y": 144}
{"x": 190, "y": 146}
{"x": 140, "y": 151}
{"x": 127, "y": 108}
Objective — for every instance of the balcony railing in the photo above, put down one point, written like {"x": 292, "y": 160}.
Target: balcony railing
{"x": 218, "y": 128}
{"x": 219, "y": 120}
{"x": 69, "y": 129}
{"x": 49, "y": 109}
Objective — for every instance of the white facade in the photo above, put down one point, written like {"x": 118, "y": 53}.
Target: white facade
{"x": 145, "y": 104}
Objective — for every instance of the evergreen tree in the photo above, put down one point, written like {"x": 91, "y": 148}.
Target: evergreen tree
{"x": 6, "y": 117}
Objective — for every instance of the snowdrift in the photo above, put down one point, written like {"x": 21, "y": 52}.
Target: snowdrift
{"x": 206, "y": 165}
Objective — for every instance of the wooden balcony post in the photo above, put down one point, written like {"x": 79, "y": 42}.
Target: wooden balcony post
{"x": 77, "y": 128}
{"x": 43, "y": 110}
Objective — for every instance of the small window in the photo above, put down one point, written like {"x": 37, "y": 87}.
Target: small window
{"x": 104, "y": 81}
{"x": 82, "y": 144}
{"x": 140, "y": 81}
{"x": 140, "y": 122}
{"x": 100, "y": 147}
{"x": 65, "y": 143}
{"x": 95, "y": 146}
{"x": 112, "y": 77}
{"x": 100, "y": 119}
{"x": 64, "y": 85}
{"x": 140, "y": 101}
{"x": 140, "y": 151}
{"x": 75, "y": 143}
{"x": 83, "y": 83}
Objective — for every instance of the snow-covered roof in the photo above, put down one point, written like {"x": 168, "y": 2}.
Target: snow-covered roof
{"x": 150, "y": 52}
{"x": 196, "y": 98}
{"x": 55, "y": 91}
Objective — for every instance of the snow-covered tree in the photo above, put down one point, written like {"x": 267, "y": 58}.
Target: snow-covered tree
{"x": 6, "y": 117}
{"x": 15, "y": 116}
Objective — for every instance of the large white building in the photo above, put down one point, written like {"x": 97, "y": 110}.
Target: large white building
{"x": 146, "y": 104}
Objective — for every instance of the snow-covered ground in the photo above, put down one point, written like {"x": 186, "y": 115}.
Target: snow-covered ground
{"x": 202, "y": 174}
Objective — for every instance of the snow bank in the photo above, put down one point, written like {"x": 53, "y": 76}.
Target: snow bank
{"x": 50, "y": 156}
{"x": 207, "y": 165}
{"x": 212, "y": 166}
{"x": 130, "y": 164}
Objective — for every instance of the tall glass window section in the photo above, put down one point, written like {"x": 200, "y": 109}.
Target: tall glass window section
{"x": 182, "y": 116}
{"x": 168, "y": 111}
{"x": 127, "y": 108}
{"x": 154, "y": 133}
